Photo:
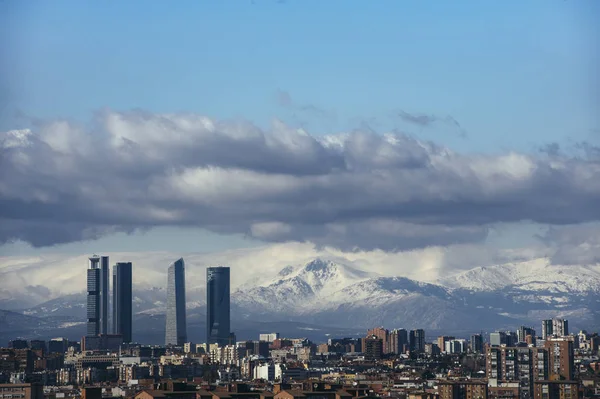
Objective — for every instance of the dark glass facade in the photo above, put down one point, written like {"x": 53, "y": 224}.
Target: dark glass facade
{"x": 122, "y": 300}
{"x": 97, "y": 295}
{"x": 218, "y": 305}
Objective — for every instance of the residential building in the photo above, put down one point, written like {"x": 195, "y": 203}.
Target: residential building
{"x": 21, "y": 391}
{"x": 465, "y": 389}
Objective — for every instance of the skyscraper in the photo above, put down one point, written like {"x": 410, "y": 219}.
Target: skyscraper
{"x": 97, "y": 295}
{"x": 218, "y": 305}
{"x": 104, "y": 289}
{"x": 122, "y": 300}
{"x": 176, "y": 329}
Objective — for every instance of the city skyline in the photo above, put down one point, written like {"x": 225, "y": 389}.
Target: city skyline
{"x": 302, "y": 199}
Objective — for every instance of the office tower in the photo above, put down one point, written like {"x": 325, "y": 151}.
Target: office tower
{"x": 498, "y": 338}
{"x": 560, "y": 327}
{"x": 97, "y": 295}
{"x": 38, "y": 344}
{"x": 93, "y": 296}
{"x": 18, "y": 344}
{"x": 546, "y": 329}
{"x": 104, "y": 289}
{"x": 122, "y": 300}
{"x": 218, "y": 305}
{"x": 58, "y": 345}
{"x": 511, "y": 338}
{"x": 176, "y": 329}
{"x": 523, "y": 332}
{"x": 417, "y": 340}
{"x": 476, "y": 343}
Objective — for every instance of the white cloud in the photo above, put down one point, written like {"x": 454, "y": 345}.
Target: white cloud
{"x": 356, "y": 191}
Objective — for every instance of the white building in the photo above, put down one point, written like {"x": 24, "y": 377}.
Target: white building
{"x": 225, "y": 355}
{"x": 268, "y": 337}
{"x": 456, "y": 346}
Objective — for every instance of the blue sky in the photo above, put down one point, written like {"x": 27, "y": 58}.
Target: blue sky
{"x": 515, "y": 75}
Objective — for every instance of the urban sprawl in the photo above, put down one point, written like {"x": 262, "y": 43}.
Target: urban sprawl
{"x": 108, "y": 363}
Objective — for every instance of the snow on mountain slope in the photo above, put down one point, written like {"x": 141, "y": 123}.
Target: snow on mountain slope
{"x": 534, "y": 275}
{"x": 301, "y": 286}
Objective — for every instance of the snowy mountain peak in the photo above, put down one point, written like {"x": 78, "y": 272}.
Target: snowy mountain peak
{"x": 319, "y": 264}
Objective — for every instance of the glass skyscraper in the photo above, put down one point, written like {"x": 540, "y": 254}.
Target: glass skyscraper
{"x": 104, "y": 289}
{"x": 218, "y": 305}
{"x": 97, "y": 295}
{"x": 122, "y": 300}
{"x": 176, "y": 329}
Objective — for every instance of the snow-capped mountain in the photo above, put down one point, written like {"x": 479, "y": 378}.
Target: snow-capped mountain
{"x": 329, "y": 292}
{"x": 533, "y": 275}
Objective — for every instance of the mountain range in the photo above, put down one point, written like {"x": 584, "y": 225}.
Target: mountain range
{"x": 324, "y": 296}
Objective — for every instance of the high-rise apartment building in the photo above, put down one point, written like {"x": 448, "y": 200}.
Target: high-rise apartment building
{"x": 441, "y": 341}
{"x": 522, "y": 365}
{"x": 555, "y": 327}
{"x": 556, "y": 390}
{"x": 561, "y": 357}
{"x": 97, "y": 295}
{"x": 218, "y": 305}
{"x": 560, "y": 327}
{"x": 122, "y": 300}
{"x": 372, "y": 347}
{"x": 416, "y": 340}
{"x": 523, "y": 332}
{"x": 383, "y": 334}
{"x": 176, "y": 325}
{"x": 398, "y": 341}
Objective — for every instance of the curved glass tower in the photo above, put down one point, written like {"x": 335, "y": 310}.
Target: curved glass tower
{"x": 217, "y": 305}
{"x": 122, "y": 300}
{"x": 176, "y": 329}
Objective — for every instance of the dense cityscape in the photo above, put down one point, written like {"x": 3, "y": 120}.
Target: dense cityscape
{"x": 108, "y": 363}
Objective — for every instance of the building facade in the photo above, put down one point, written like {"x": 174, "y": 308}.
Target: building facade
{"x": 218, "y": 305}
{"x": 122, "y": 300}
{"x": 417, "y": 340}
{"x": 176, "y": 325}
{"x": 97, "y": 295}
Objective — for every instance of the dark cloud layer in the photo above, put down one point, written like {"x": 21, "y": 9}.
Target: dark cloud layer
{"x": 62, "y": 182}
